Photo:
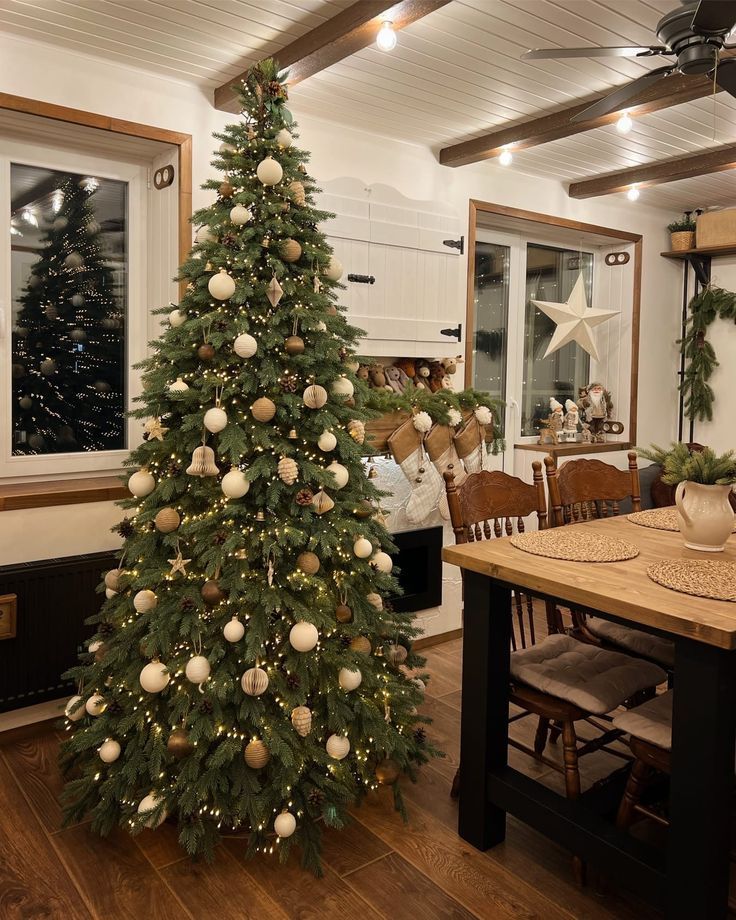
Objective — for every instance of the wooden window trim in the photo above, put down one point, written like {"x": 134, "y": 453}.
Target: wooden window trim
{"x": 537, "y": 217}
{"x": 37, "y": 494}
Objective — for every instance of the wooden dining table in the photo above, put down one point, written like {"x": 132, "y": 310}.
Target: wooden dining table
{"x": 690, "y": 878}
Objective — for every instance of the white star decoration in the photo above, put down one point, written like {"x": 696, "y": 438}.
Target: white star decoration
{"x": 155, "y": 429}
{"x": 179, "y": 564}
{"x": 575, "y": 320}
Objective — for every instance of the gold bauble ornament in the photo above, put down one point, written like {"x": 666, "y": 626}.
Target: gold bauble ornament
{"x": 294, "y": 345}
{"x": 178, "y": 744}
{"x": 387, "y": 772}
{"x": 288, "y": 470}
{"x": 212, "y": 593}
{"x": 363, "y": 510}
{"x": 315, "y": 396}
{"x": 263, "y": 409}
{"x": 206, "y": 352}
{"x": 308, "y": 562}
{"x": 343, "y": 614}
{"x": 290, "y": 250}
{"x": 256, "y": 754}
{"x": 395, "y": 654}
{"x": 226, "y": 190}
{"x": 167, "y": 520}
{"x": 361, "y": 645}
{"x": 301, "y": 719}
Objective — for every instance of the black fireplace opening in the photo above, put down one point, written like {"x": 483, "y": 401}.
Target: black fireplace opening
{"x": 419, "y": 558}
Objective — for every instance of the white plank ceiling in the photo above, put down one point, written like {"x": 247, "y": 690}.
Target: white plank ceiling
{"x": 454, "y": 75}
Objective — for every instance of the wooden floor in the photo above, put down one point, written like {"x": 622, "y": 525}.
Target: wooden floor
{"x": 378, "y": 867}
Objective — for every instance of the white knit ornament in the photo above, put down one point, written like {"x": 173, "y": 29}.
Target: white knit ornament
{"x": 198, "y": 669}
{"x": 362, "y": 548}
{"x": 338, "y": 747}
{"x": 303, "y": 636}
{"x": 144, "y": 601}
{"x": 96, "y": 705}
{"x": 221, "y": 286}
{"x": 340, "y": 473}
{"x": 154, "y": 677}
{"x": 334, "y": 269}
{"x": 234, "y": 630}
{"x": 285, "y": 824}
{"x": 269, "y": 171}
{"x": 215, "y": 419}
{"x": 422, "y": 421}
{"x": 234, "y": 484}
{"x": 349, "y": 678}
{"x": 327, "y": 441}
{"x": 383, "y": 562}
{"x": 109, "y": 751}
{"x": 240, "y": 215}
{"x": 141, "y": 483}
{"x": 177, "y": 318}
{"x": 149, "y": 804}
{"x": 483, "y": 414}
{"x": 245, "y": 346}
{"x": 454, "y": 418}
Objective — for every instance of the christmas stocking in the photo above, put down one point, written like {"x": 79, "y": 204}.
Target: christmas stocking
{"x": 407, "y": 450}
{"x": 470, "y": 444}
{"x": 442, "y": 453}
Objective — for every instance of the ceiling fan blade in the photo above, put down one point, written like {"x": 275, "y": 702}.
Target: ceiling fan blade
{"x": 617, "y": 100}
{"x": 714, "y": 17}
{"x": 539, "y": 54}
{"x": 726, "y": 76}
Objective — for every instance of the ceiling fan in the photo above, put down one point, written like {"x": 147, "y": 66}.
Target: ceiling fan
{"x": 694, "y": 33}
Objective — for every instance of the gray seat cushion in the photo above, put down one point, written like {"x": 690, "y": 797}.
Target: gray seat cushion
{"x": 591, "y": 678}
{"x": 652, "y": 721}
{"x": 633, "y": 640}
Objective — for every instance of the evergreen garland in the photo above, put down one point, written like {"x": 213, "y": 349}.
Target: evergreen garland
{"x": 710, "y": 304}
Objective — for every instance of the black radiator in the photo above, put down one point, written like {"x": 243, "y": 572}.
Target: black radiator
{"x": 419, "y": 559}
{"x": 55, "y": 597}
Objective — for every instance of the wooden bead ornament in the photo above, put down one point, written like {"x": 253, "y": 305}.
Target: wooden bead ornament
{"x": 382, "y": 562}
{"x": 75, "y": 709}
{"x": 315, "y": 396}
{"x": 288, "y": 470}
{"x": 301, "y": 719}
{"x": 221, "y": 286}
{"x": 361, "y": 645}
{"x": 294, "y": 345}
{"x": 256, "y": 754}
{"x": 167, "y": 520}
{"x": 338, "y": 747}
{"x": 343, "y": 613}
{"x": 290, "y": 250}
{"x": 234, "y": 630}
{"x": 212, "y": 593}
{"x": 240, "y": 215}
{"x": 144, "y": 601}
{"x": 269, "y": 171}
{"x": 263, "y": 409}
{"x": 154, "y": 677}
{"x": 109, "y": 751}
{"x": 327, "y": 441}
{"x": 245, "y": 346}
{"x": 141, "y": 483}
{"x": 96, "y": 705}
{"x": 342, "y": 387}
{"x": 362, "y": 548}
{"x": 322, "y": 503}
{"x": 215, "y": 419}
{"x": 349, "y": 678}
{"x": 149, "y": 804}
{"x": 178, "y": 744}
{"x": 303, "y": 636}
{"x": 254, "y": 682}
{"x": 234, "y": 484}
{"x": 206, "y": 352}
{"x": 308, "y": 562}
{"x": 387, "y": 772}
{"x": 340, "y": 474}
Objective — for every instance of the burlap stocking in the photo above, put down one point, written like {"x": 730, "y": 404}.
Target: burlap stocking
{"x": 407, "y": 450}
{"x": 442, "y": 453}
{"x": 470, "y": 444}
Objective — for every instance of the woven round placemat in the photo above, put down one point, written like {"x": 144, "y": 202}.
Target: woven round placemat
{"x": 575, "y": 546}
{"x": 658, "y": 518}
{"x": 702, "y": 577}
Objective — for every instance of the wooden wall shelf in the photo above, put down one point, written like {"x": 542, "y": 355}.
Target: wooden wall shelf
{"x": 573, "y": 449}
{"x": 705, "y": 251}
{"x": 61, "y": 492}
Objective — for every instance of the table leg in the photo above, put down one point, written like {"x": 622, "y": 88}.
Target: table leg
{"x": 701, "y": 787}
{"x": 485, "y": 706}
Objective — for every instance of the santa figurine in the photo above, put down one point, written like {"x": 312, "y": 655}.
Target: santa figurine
{"x": 571, "y": 421}
{"x": 596, "y": 405}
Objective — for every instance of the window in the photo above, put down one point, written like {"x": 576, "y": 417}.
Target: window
{"x": 491, "y": 297}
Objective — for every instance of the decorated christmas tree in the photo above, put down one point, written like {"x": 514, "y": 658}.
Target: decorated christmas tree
{"x": 68, "y": 354}
{"x": 247, "y": 670}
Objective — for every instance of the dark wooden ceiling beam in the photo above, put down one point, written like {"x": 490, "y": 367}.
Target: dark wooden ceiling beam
{"x": 351, "y": 30}
{"x": 551, "y": 126}
{"x": 704, "y": 162}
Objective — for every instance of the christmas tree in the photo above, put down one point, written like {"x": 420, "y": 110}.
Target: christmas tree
{"x": 247, "y": 670}
{"x": 68, "y": 354}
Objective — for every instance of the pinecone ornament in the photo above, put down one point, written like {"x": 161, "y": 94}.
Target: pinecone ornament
{"x": 205, "y": 707}
{"x": 187, "y": 604}
{"x": 316, "y": 798}
{"x": 304, "y": 497}
{"x": 125, "y": 528}
{"x": 420, "y": 735}
{"x": 220, "y": 537}
{"x": 293, "y": 682}
{"x": 106, "y": 629}
{"x": 289, "y": 383}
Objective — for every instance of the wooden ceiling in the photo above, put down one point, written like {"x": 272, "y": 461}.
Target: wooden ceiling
{"x": 455, "y": 75}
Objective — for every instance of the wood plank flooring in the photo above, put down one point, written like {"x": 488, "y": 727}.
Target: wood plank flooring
{"x": 378, "y": 867}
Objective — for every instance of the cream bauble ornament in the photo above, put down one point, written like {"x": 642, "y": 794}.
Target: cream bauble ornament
{"x": 221, "y": 286}
{"x": 110, "y": 593}
{"x": 141, "y": 483}
{"x": 215, "y": 419}
{"x": 240, "y": 215}
{"x": 338, "y": 747}
{"x": 109, "y": 751}
{"x": 234, "y": 484}
{"x": 112, "y": 579}
{"x": 154, "y": 677}
{"x": 177, "y": 318}
{"x": 285, "y": 824}
{"x": 334, "y": 269}
{"x": 342, "y": 387}
{"x": 96, "y": 705}
{"x": 74, "y": 260}
{"x": 245, "y": 346}
{"x": 290, "y": 250}
{"x": 321, "y": 327}
{"x": 322, "y": 503}
{"x": 349, "y": 678}
{"x": 198, "y": 669}
{"x": 327, "y": 441}
{"x": 315, "y": 396}
{"x": 226, "y": 149}
{"x": 256, "y": 754}
{"x": 383, "y": 562}
{"x": 284, "y": 138}
{"x": 263, "y": 409}
{"x": 308, "y": 562}
{"x": 167, "y": 520}
{"x": 254, "y": 682}
{"x": 205, "y": 235}
{"x": 340, "y": 473}
{"x": 303, "y": 636}
{"x": 148, "y": 805}
{"x": 144, "y": 601}
{"x": 234, "y": 630}
{"x": 362, "y": 548}
{"x": 75, "y": 709}
{"x": 269, "y": 171}
{"x": 301, "y": 719}
{"x": 288, "y": 470}
{"x": 178, "y": 386}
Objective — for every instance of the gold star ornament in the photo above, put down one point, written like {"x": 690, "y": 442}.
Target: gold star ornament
{"x": 575, "y": 320}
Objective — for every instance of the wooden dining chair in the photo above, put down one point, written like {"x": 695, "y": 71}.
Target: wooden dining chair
{"x": 554, "y": 677}
{"x": 583, "y": 490}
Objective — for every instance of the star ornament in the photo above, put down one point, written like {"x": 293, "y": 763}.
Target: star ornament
{"x": 575, "y": 320}
{"x": 178, "y": 565}
{"x": 155, "y": 430}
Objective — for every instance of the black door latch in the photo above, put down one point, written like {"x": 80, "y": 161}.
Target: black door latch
{"x": 455, "y": 244}
{"x": 456, "y": 332}
{"x": 362, "y": 279}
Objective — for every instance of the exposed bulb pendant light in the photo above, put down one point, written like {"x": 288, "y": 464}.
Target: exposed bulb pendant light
{"x": 624, "y": 124}
{"x": 633, "y": 193}
{"x": 505, "y": 158}
{"x": 386, "y": 38}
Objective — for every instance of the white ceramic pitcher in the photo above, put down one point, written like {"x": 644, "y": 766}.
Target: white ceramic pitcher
{"x": 705, "y": 515}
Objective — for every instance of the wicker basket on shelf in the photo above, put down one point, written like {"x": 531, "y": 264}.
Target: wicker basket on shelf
{"x": 682, "y": 239}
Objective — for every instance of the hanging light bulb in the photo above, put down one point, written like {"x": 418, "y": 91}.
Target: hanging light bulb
{"x": 386, "y": 38}
{"x": 633, "y": 193}
{"x": 505, "y": 158}
{"x": 624, "y": 124}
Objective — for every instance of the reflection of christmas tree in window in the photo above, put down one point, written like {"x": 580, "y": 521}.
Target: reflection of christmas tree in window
{"x": 67, "y": 343}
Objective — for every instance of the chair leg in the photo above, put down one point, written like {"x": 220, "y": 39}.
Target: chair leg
{"x": 572, "y": 785}
{"x": 455, "y": 790}
{"x": 540, "y": 739}
{"x": 635, "y": 785}
{"x": 555, "y": 731}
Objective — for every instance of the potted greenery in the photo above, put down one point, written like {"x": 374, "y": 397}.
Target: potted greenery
{"x": 704, "y": 481}
{"x": 682, "y": 233}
